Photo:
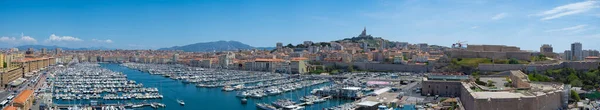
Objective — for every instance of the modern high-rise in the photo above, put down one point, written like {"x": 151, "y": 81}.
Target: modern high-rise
{"x": 57, "y": 51}
{"x": 577, "y": 51}
{"x": 585, "y": 53}
{"x": 44, "y": 51}
{"x": 588, "y": 53}
{"x": 594, "y": 53}
{"x": 175, "y": 58}
{"x": 568, "y": 55}
{"x": 279, "y": 45}
{"x": 383, "y": 45}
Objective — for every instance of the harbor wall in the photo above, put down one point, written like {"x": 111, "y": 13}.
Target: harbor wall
{"x": 381, "y": 67}
{"x": 500, "y": 67}
{"x": 490, "y": 54}
{"x": 579, "y": 65}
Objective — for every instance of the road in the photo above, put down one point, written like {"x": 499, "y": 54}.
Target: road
{"x": 409, "y": 89}
{"x": 25, "y": 85}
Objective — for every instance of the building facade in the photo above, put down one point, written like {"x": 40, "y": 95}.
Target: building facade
{"x": 24, "y": 100}
{"x": 520, "y": 95}
{"x": 577, "y": 52}
{"x": 546, "y": 48}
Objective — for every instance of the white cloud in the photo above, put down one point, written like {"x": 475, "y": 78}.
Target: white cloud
{"x": 55, "y": 38}
{"x": 13, "y": 40}
{"x": 103, "y": 41}
{"x": 474, "y": 27}
{"x": 7, "y": 39}
{"x": 569, "y": 9}
{"x": 499, "y": 16}
{"x": 573, "y": 28}
{"x": 28, "y": 39}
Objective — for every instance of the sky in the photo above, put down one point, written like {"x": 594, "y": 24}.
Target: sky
{"x": 153, "y": 24}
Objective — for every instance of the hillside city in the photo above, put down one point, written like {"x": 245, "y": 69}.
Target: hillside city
{"x": 417, "y": 76}
{"x": 299, "y": 55}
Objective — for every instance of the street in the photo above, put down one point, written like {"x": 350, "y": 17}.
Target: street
{"x": 25, "y": 85}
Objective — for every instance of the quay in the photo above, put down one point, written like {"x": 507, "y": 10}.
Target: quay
{"x": 307, "y": 103}
{"x": 130, "y": 105}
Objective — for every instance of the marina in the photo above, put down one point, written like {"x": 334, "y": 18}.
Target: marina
{"x": 168, "y": 86}
{"x": 175, "y": 89}
{"x": 88, "y": 85}
{"x": 244, "y": 84}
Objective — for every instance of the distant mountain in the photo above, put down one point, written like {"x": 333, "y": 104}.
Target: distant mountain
{"x": 214, "y": 46}
{"x": 39, "y": 47}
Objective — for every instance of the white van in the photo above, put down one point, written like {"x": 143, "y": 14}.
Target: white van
{"x": 10, "y": 97}
{"x": 3, "y": 103}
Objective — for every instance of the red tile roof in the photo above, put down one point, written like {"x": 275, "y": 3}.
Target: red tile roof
{"x": 268, "y": 60}
{"x": 22, "y": 98}
{"x": 10, "y": 108}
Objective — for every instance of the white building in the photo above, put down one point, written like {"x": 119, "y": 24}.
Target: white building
{"x": 226, "y": 60}
{"x": 175, "y": 58}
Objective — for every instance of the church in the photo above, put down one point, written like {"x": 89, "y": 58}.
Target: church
{"x": 364, "y": 34}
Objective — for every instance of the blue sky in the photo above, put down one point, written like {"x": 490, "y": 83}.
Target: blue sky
{"x": 131, "y": 24}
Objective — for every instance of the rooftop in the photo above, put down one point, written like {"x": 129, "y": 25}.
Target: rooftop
{"x": 30, "y": 59}
{"x": 22, "y": 98}
{"x": 448, "y": 77}
{"x": 268, "y": 60}
{"x": 496, "y": 95}
{"x": 367, "y": 103}
{"x": 538, "y": 89}
{"x": 10, "y": 108}
{"x": 386, "y": 97}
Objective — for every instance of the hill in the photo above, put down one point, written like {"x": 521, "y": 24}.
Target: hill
{"x": 214, "y": 46}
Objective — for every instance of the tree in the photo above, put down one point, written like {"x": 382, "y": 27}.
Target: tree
{"x": 513, "y": 61}
{"x": 490, "y": 83}
{"x": 4, "y": 64}
{"x": 576, "y": 83}
{"x": 351, "y": 67}
{"x": 479, "y": 82}
{"x": 289, "y": 46}
{"x": 542, "y": 56}
{"x": 575, "y": 96}
{"x": 572, "y": 77}
{"x": 475, "y": 74}
{"x": 301, "y": 46}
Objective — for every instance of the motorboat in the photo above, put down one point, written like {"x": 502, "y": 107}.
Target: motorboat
{"x": 180, "y": 102}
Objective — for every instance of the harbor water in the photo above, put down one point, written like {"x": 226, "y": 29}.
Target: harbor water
{"x": 203, "y": 98}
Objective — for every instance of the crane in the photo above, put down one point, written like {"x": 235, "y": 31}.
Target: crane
{"x": 459, "y": 44}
